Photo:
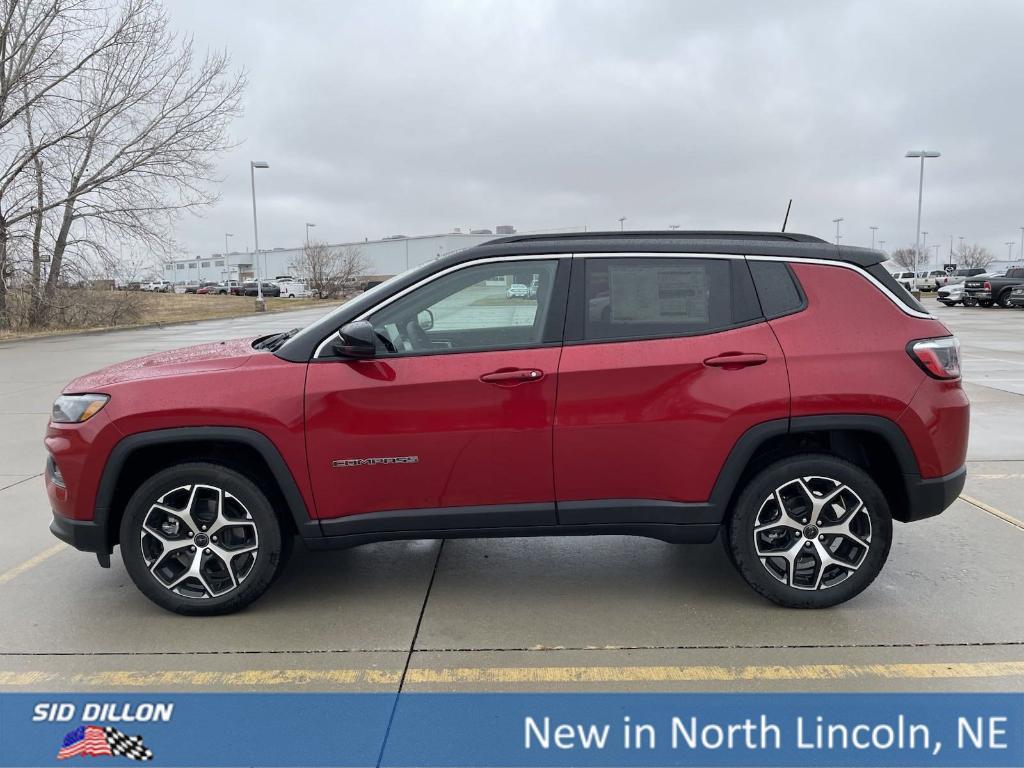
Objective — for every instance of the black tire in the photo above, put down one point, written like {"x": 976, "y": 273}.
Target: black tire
{"x": 968, "y": 302}
{"x": 757, "y": 497}
{"x": 250, "y": 577}
{"x": 1004, "y": 299}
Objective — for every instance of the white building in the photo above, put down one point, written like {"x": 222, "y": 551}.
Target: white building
{"x": 384, "y": 258}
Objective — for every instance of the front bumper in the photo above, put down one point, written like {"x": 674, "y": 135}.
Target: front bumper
{"x": 86, "y": 535}
{"x": 927, "y": 497}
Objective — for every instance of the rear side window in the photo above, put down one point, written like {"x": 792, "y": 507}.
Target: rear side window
{"x": 635, "y": 298}
{"x": 776, "y": 288}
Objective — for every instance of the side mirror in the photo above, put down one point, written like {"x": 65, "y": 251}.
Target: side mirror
{"x": 425, "y": 320}
{"x": 358, "y": 339}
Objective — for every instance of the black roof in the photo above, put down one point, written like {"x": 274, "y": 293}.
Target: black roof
{"x": 782, "y": 244}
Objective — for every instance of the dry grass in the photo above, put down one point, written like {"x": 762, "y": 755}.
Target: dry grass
{"x": 166, "y": 308}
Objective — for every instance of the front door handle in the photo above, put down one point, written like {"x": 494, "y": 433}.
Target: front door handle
{"x": 510, "y": 377}
{"x": 733, "y": 361}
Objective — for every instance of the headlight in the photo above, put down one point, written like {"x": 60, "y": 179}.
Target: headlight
{"x": 74, "y": 409}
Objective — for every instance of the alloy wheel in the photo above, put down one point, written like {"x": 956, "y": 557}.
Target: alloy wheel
{"x": 812, "y": 533}
{"x": 199, "y": 541}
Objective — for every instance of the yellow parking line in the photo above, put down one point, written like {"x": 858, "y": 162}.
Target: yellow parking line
{"x": 993, "y": 511}
{"x": 32, "y": 562}
{"x": 262, "y": 678}
{"x": 271, "y": 678}
{"x": 713, "y": 673}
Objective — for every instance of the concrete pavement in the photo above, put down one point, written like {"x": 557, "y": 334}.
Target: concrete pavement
{"x": 601, "y": 613}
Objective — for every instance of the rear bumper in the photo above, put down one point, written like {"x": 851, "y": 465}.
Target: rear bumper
{"x": 927, "y": 497}
{"x": 983, "y": 295}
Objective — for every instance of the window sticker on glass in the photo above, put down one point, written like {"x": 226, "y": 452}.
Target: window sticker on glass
{"x": 667, "y": 294}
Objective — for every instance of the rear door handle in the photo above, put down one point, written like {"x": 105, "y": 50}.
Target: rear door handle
{"x": 511, "y": 377}
{"x": 732, "y": 361}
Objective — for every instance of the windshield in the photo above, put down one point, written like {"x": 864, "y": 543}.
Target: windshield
{"x": 369, "y": 295}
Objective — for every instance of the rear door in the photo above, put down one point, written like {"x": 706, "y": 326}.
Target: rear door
{"x": 667, "y": 362}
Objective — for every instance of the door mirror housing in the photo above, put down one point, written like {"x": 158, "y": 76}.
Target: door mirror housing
{"x": 425, "y": 320}
{"x": 356, "y": 339}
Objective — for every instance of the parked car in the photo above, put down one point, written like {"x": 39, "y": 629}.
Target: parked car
{"x": 227, "y": 287}
{"x": 929, "y": 281}
{"x": 701, "y": 405}
{"x": 159, "y": 286}
{"x": 207, "y": 288}
{"x": 906, "y": 279}
{"x": 517, "y": 291}
{"x": 996, "y": 289}
{"x": 268, "y": 289}
{"x": 951, "y": 294}
{"x": 292, "y": 288}
{"x": 196, "y": 286}
{"x": 1017, "y": 297}
{"x": 958, "y": 276}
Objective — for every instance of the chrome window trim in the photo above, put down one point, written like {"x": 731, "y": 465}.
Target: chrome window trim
{"x": 859, "y": 270}
{"x": 636, "y": 254}
{"x": 436, "y": 276}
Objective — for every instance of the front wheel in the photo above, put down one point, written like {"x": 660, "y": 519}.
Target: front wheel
{"x": 201, "y": 539}
{"x": 810, "y": 531}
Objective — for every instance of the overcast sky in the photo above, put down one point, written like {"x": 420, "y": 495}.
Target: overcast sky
{"x": 381, "y": 118}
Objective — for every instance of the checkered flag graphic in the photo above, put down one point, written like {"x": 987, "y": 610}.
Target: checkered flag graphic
{"x": 127, "y": 746}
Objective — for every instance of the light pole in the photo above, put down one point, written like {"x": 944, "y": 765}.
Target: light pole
{"x": 961, "y": 243}
{"x": 1009, "y": 250}
{"x": 261, "y": 305}
{"x": 881, "y": 245}
{"x": 622, "y": 220}
{"x": 836, "y": 222}
{"x": 936, "y": 247}
{"x": 226, "y": 236}
{"x": 308, "y": 225}
{"x": 924, "y": 247}
{"x": 874, "y": 231}
{"x": 1022, "y": 242}
{"x": 921, "y": 153}
{"x": 950, "y": 249}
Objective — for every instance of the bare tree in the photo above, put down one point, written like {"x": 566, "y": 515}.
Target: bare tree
{"x": 974, "y": 257}
{"x": 905, "y": 258}
{"x": 123, "y": 144}
{"x": 329, "y": 271}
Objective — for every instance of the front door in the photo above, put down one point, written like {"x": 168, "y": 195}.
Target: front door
{"x": 455, "y": 410}
{"x": 670, "y": 364}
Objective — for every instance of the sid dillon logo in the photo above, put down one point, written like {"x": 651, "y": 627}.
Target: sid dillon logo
{"x": 102, "y": 740}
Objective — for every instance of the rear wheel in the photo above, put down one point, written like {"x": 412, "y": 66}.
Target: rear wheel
{"x": 810, "y": 531}
{"x": 1004, "y": 299}
{"x": 201, "y": 539}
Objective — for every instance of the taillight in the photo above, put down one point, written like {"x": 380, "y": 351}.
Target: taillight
{"x": 939, "y": 358}
{"x": 987, "y": 285}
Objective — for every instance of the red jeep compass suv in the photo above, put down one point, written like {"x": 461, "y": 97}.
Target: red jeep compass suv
{"x": 772, "y": 388}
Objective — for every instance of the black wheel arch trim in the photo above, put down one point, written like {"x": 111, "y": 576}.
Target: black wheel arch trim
{"x": 259, "y": 442}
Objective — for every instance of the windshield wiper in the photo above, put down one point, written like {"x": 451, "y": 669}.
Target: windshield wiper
{"x": 276, "y": 340}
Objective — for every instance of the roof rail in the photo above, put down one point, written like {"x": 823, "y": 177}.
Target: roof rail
{"x": 676, "y": 234}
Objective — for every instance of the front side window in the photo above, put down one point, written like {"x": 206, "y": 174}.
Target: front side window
{"x": 502, "y": 305}
{"x": 634, "y": 298}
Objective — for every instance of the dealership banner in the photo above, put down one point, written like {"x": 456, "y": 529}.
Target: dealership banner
{"x": 512, "y": 729}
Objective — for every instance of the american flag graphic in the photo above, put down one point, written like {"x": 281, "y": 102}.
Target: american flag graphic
{"x": 96, "y": 741}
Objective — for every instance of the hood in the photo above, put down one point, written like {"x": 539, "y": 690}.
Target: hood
{"x": 218, "y": 356}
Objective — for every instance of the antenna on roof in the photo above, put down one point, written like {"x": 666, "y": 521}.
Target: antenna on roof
{"x": 786, "y": 220}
